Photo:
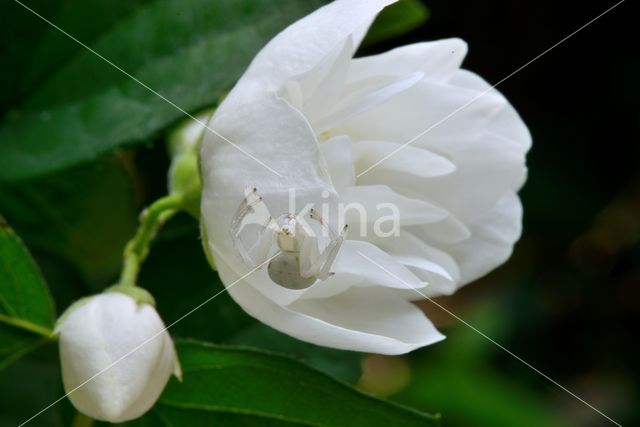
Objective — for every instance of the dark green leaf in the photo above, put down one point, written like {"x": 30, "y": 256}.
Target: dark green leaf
{"x": 31, "y": 384}
{"x": 224, "y": 382}
{"x": 26, "y": 308}
{"x": 397, "y": 19}
{"x": 189, "y": 51}
{"x": 175, "y": 417}
{"x": 85, "y": 215}
{"x": 344, "y": 365}
{"x": 35, "y": 50}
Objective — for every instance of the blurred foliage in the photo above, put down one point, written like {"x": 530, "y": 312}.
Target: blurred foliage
{"x": 395, "y": 20}
{"x": 29, "y": 385}
{"x": 26, "y": 308}
{"x": 84, "y": 215}
{"x": 231, "y": 386}
{"x": 459, "y": 380}
{"x": 82, "y": 151}
{"x": 181, "y": 52}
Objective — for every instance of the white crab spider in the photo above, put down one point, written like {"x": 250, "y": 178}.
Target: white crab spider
{"x": 299, "y": 262}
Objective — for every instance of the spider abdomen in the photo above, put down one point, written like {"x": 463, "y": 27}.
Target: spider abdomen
{"x": 284, "y": 269}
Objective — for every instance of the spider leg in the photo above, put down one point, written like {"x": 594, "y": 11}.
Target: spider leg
{"x": 315, "y": 215}
{"x": 331, "y": 253}
{"x": 308, "y": 255}
{"x": 266, "y": 239}
{"x": 320, "y": 267}
{"x": 247, "y": 207}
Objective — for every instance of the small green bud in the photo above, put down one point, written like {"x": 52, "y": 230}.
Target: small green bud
{"x": 184, "y": 172}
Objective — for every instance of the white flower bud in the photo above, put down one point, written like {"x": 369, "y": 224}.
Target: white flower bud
{"x": 96, "y": 337}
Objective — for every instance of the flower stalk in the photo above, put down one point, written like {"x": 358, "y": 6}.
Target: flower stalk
{"x": 124, "y": 315}
{"x": 151, "y": 220}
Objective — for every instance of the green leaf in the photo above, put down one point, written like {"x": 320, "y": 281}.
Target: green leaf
{"x": 341, "y": 364}
{"x": 397, "y": 19}
{"x": 26, "y": 308}
{"x": 176, "y": 417}
{"x": 36, "y": 50}
{"x": 31, "y": 384}
{"x": 84, "y": 215}
{"x": 230, "y": 384}
{"x": 189, "y": 51}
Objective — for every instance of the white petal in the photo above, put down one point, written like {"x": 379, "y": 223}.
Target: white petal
{"x": 492, "y": 239}
{"x": 430, "y": 264}
{"x": 374, "y": 266}
{"x": 320, "y": 87}
{"x": 364, "y": 96}
{"x": 441, "y": 110}
{"x": 339, "y": 282}
{"x": 486, "y": 167}
{"x": 304, "y": 44}
{"x": 156, "y": 381}
{"x": 437, "y": 59}
{"x": 508, "y": 123}
{"x": 372, "y": 198}
{"x": 449, "y": 230}
{"x": 388, "y": 325}
{"x": 415, "y": 161}
{"x": 360, "y": 33}
{"x": 373, "y": 320}
{"x": 337, "y": 153}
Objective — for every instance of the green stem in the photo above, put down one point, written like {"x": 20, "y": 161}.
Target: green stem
{"x": 25, "y": 324}
{"x": 138, "y": 247}
{"x": 81, "y": 420}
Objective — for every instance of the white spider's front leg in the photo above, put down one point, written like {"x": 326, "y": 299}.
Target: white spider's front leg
{"x": 246, "y": 207}
{"x": 308, "y": 255}
{"x": 259, "y": 252}
{"x": 319, "y": 265}
{"x": 266, "y": 241}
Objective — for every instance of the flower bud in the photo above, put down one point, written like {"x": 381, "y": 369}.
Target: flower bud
{"x": 116, "y": 356}
{"x": 184, "y": 172}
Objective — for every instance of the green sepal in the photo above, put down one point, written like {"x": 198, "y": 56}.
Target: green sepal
{"x": 73, "y": 307}
{"x": 140, "y": 295}
{"x": 184, "y": 172}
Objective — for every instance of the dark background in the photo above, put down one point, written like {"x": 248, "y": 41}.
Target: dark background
{"x": 568, "y": 301}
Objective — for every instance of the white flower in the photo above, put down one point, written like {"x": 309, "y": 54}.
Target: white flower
{"x": 318, "y": 117}
{"x": 95, "y": 336}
